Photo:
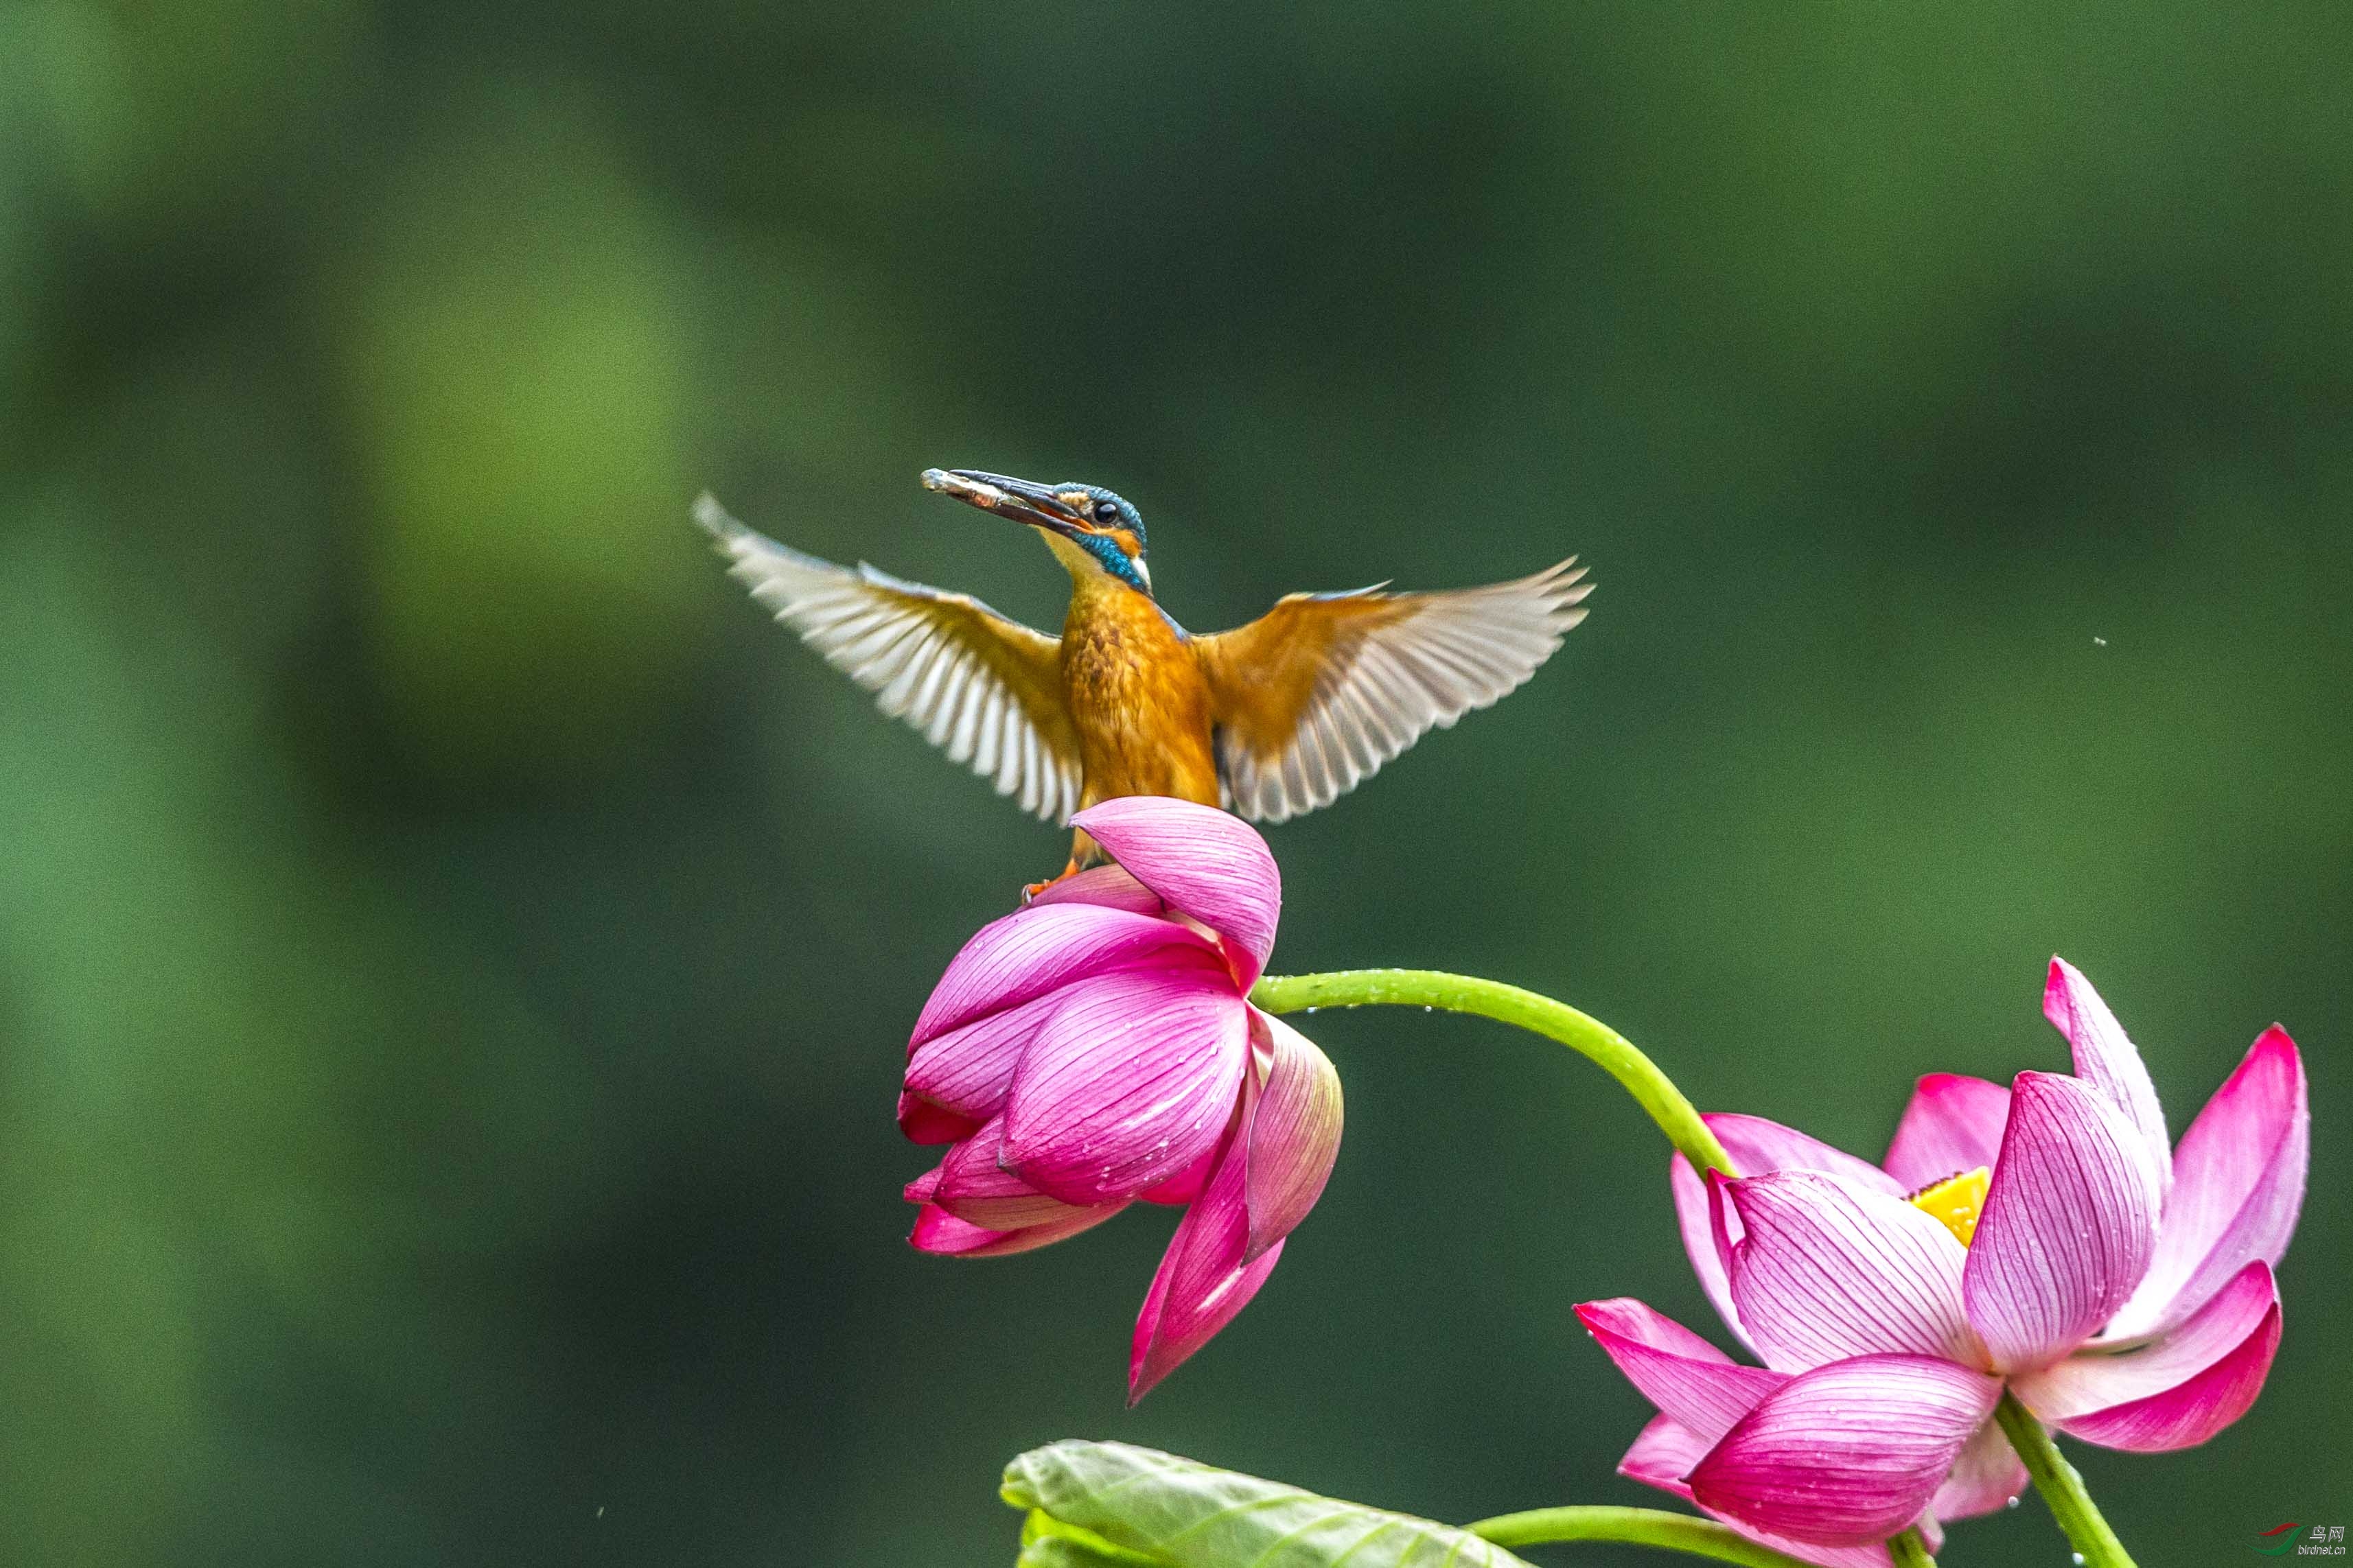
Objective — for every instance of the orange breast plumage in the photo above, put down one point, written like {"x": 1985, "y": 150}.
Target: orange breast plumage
{"x": 1138, "y": 702}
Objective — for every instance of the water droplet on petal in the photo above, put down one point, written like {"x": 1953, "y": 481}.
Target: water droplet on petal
{"x": 2010, "y": 1502}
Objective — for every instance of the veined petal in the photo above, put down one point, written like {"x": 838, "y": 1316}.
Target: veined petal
{"x": 1953, "y": 1125}
{"x": 2188, "y": 1413}
{"x": 920, "y": 1189}
{"x": 1294, "y": 1133}
{"x": 1133, "y": 1077}
{"x": 969, "y": 1070}
{"x": 1694, "y": 1219}
{"x": 1826, "y": 1271}
{"x": 1849, "y": 1453}
{"x": 942, "y": 1233}
{"x": 1665, "y": 1453}
{"x": 1704, "y": 1390}
{"x": 1205, "y": 862}
{"x": 1202, "y": 1280}
{"x": 2070, "y": 1223}
{"x": 2094, "y": 1378}
{"x": 1722, "y": 1221}
{"x": 977, "y": 1189}
{"x": 1110, "y": 885}
{"x": 1759, "y": 1147}
{"x": 1031, "y": 951}
{"x": 2238, "y": 1181}
{"x": 2177, "y": 1391}
{"x": 1986, "y": 1476}
{"x": 921, "y": 1121}
{"x": 2106, "y": 1059}
{"x": 1187, "y": 1184}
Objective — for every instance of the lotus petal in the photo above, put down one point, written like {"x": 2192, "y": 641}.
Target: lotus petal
{"x": 1759, "y": 1147}
{"x": 1205, "y": 863}
{"x": 1293, "y": 1136}
{"x": 1826, "y": 1271}
{"x": 969, "y": 1070}
{"x": 2070, "y": 1223}
{"x": 921, "y": 1121}
{"x": 1953, "y": 1125}
{"x": 1202, "y": 1280}
{"x": 1110, "y": 885}
{"x": 940, "y": 1232}
{"x": 1187, "y": 1184}
{"x": 1032, "y": 951}
{"x": 2238, "y": 1183}
{"x": 1986, "y": 1476}
{"x": 1131, "y": 1078}
{"x": 1694, "y": 1218}
{"x": 1666, "y": 1452}
{"x": 2106, "y": 1059}
{"x": 1849, "y": 1453}
{"x": 974, "y": 1186}
{"x": 2177, "y": 1391}
{"x": 1704, "y": 1390}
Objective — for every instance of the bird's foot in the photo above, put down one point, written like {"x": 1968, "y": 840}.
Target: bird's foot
{"x": 1032, "y": 890}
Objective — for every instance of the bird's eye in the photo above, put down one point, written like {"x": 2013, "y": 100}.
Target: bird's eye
{"x": 1106, "y": 512}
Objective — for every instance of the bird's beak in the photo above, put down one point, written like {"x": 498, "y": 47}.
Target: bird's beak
{"x": 1018, "y": 499}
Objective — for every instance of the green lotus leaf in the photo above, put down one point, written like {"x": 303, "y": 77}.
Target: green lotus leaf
{"x": 1112, "y": 1505}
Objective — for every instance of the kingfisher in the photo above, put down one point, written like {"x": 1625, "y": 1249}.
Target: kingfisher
{"x": 1269, "y": 720}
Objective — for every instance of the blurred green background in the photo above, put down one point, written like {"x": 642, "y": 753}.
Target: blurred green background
{"x": 455, "y": 954}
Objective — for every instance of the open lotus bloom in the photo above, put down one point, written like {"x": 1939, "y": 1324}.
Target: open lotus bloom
{"x": 1097, "y": 1047}
{"x": 2044, "y": 1237}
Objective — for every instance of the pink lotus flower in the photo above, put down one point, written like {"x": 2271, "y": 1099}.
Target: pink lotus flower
{"x": 2120, "y": 1288}
{"x": 1097, "y": 1047}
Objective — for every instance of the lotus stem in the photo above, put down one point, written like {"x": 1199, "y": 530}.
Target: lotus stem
{"x": 1427, "y": 988}
{"x": 2062, "y": 1487}
{"x": 1634, "y": 1527}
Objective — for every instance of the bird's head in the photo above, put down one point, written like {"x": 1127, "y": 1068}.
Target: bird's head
{"x": 1102, "y": 532}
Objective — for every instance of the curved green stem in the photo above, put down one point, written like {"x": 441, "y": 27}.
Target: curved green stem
{"x": 2079, "y": 1518}
{"x": 1633, "y": 1526}
{"x": 1609, "y": 1049}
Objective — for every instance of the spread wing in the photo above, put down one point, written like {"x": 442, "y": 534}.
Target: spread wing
{"x": 985, "y": 690}
{"x": 1321, "y": 691}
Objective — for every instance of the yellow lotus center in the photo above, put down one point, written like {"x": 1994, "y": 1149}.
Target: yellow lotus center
{"x": 1956, "y": 1202}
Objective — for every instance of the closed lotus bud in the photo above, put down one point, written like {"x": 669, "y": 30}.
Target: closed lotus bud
{"x": 1098, "y": 1047}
